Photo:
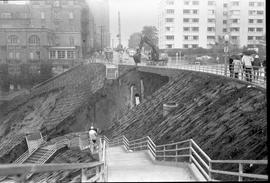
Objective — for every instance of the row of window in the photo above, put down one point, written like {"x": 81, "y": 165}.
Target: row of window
{"x": 33, "y": 40}
{"x": 187, "y": 2}
{"x": 255, "y": 12}
{"x": 16, "y": 55}
{"x": 250, "y": 29}
{"x": 193, "y": 29}
{"x": 62, "y": 54}
{"x": 190, "y": 37}
{"x": 254, "y": 38}
{"x": 259, "y": 4}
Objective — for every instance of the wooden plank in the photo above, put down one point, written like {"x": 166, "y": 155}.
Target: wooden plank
{"x": 258, "y": 176}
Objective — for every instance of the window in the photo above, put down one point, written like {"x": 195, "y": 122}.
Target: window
{"x": 211, "y": 37}
{"x": 52, "y": 54}
{"x": 185, "y": 45}
{"x": 186, "y": 2}
{"x": 210, "y": 29}
{"x": 195, "y": 29}
{"x": 235, "y": 21}
{"x": 235, "y": 12}
{"x": 170, "y": 37}
{"x": 185, "y": 37}
{"x": 170, "y": 2}
{"x": 234, "y": 38}
{"x": 225, "y": 5}
{"x": 235, "y": 3}
{"x": 235, "y": 29}
{"x": 258, "y": 38}
{"x": 259, "y": 21}
{"x": 194, "y": 46}
{"x": 259, "y": 12}
{"x": 195, "y": 2}
{"x": 224, "y": 21}
{"x": 70, "y": 54}
{"x": 251, "y": 3}
{"x": 61, "y": 54}
{"x": 186, "y": 11}
{"x": 169, "y": 19}
{"x": 225, "y": 13}
{"x": 168, "y": 28}
{"x": 170, "y": 11}
{"x": 211, "y": 20}
{"x": 260, "y": 4}
{"x": 185, "y": 20}
{"x": 42, "y": 15}
{"x": 186, "y": 28}
{"x": 259, "y": 29}
{"x": 34, "y": 40}
{"x": 251, "y": 29}
{"x": 250, "y": 37}
{"x": 251, "y": 21}
{"x": 13, "y": 39}
{"x": 224, "y": 30}
{"x": 195, "y": 37}
{"x": 195, "y": 20}
{"x": 169, "y": 45}
{"x": 71, "y": 16}
{"x": 252, "y": 12}
{"x": 195, "y": 12}
{"x": 211, "y": 12}
{"x": 5, "y": 15}
{"x": 211, "y": 3}
{"x": 71, "y": 41}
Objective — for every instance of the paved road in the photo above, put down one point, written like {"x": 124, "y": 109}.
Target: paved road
{"x": 138, "y": 167}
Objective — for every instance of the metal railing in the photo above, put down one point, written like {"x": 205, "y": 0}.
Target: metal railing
{"x": 190, "y": 152}
{"x": 255, "y": 75}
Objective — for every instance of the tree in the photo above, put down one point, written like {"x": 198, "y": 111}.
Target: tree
{"x": 4, "y": 77}
{"x": 134, "y": 40}
{"x": 151, "y": 33}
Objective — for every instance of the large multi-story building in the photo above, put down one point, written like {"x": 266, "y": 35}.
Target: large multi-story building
{"x": 60, "y": 31}
{"x": 195, "y": 23}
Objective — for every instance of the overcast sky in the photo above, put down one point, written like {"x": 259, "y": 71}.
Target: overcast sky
{"x": 134, "y": 15}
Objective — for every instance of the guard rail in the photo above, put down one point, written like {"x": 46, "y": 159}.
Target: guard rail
{"x": 189, "y": 151}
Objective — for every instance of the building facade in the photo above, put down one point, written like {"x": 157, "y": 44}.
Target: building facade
{"x": 56, "y": 31}
{"x": 194, "y": 23}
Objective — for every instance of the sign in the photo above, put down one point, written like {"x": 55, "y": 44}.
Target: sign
{"x": 111, "y": 72}
{"x": 226, "y": 49}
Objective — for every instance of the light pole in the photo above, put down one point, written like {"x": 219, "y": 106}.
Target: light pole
{"x": 226, "y": 50}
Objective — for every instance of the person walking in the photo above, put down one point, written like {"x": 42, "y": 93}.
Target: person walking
{"x": 256, "y": 67}
{"x": 237, "y": 67}
{"x": 247, "y": 63}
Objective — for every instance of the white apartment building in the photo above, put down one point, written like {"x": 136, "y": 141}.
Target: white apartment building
{"x": 199, "y": 23}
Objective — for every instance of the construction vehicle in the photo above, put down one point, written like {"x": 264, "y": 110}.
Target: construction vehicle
{"x": 155, "y": 56}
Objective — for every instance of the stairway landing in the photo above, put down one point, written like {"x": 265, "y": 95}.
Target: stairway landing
{"x": 138, "y": 166}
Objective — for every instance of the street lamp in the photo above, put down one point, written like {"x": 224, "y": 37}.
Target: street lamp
{"x": 226, "y": 50}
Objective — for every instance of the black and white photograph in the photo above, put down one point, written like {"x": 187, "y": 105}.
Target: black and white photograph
{"x": 133, "y": 91}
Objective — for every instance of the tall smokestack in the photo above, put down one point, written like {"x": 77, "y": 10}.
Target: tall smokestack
{"x": 119, "y": 28}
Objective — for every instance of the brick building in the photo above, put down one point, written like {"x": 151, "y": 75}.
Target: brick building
{"x": 57, "y": 31}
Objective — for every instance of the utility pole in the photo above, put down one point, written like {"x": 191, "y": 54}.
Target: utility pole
{"x": 101, "y": 37}
{"x": 119, "y": 28}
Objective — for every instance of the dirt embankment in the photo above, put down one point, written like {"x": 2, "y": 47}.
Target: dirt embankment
{"x": 225, "y": 117}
